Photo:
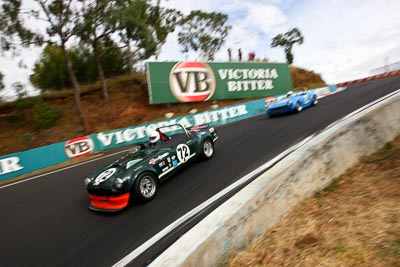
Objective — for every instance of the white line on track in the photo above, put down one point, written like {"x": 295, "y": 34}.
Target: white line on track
{"x": 131, "y": 256}
{"x": 135, "y": 253}
{"x": 60, "y": 170}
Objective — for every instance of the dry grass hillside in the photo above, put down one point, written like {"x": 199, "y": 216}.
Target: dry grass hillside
{"x": 23, "y": 128}
{"x": 355, "y": 221}
{"x": 305, "y": 78}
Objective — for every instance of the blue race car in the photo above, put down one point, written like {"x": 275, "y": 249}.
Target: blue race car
{"x": 292, "y": 102}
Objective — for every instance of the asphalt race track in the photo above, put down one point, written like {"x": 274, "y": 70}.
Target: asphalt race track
{"x": 46, "y": 222}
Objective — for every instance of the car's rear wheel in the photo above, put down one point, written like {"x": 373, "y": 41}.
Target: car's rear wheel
{"x": 299, "y": 107}
{"x": 315, "y": 101}
{"x": 145, "y": 187}
{"x": 207, "y": 149}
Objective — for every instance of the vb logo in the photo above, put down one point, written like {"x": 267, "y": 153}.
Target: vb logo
{"x": 192, "y": 81}
{"x": 79, "y": 147}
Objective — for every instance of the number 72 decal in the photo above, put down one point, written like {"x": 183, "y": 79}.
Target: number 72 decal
{"x": 183, "y": 152}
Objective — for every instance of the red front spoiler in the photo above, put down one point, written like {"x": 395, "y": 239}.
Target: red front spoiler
{"x": 109, "y": 203}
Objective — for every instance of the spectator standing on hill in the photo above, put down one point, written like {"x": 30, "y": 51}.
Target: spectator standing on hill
{"x": 251, "y": 56}
{"x": 230, "y": 54}
{"x": 240, "y": 54}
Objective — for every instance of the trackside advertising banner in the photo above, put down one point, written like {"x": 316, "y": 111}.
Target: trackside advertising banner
{"x": 138, "y": 134}
{"x": 171, "y": 82}
{"x": 25, "y": 162}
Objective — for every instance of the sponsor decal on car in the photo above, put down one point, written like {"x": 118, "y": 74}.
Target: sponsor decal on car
{"x": 174, "y": 163}
{"x": 160, "y": 157}
{"x": 198, "y": 127}
{"x": 105, "y": 175}
{"x": 199, "y": 135}
{"x": 132, "y": 162}
{"x": 79, "y": 147}
{"x": 183, "y": 152}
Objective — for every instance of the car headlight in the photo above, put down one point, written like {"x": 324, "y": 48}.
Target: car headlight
{"x": 288, "y": 103}
{"x": 118, "y": 183}
{"x": 87, "y": 181}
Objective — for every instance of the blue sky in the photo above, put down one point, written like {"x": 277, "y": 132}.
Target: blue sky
{"x": 343, "y": 39}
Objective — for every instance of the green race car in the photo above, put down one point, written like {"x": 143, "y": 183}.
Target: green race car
{"x": 136, "y": 176}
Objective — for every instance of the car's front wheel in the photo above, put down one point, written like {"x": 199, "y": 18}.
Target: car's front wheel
{"x": 315, "y": 101}
{"x": 299, "y": 107}
{"x": 145, "y": 187}
{"x": 207, "y": 149}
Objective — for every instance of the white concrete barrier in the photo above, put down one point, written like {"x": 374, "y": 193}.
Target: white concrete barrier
{"x": 262, "y": 203}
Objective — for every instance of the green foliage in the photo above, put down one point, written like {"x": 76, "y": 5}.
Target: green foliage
{"x": 332, "y": 187}
{"x": 50, "y": 71}
{"x": 388, "y": 153}
{"x": 13, "y": 34}
{"x": 15, "y": 117}
{"x": 204, "y": 32}
{"x": 395, "y": 250}
{"x": 287, "y": 41}
{"x": 46, "y": 115}
{"x": 27, "y": 138}
{"x": 161, "y": 22}
{"x": 19, "y": 89}
{"x": 24, "y": 103}
{"x": 114, "y": 59}
{"x": 143, "y": 28}
{"x": 19, "y": 108}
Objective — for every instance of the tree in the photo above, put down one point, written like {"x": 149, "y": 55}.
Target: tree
{"x": 204, "y": 32}
{"x": 59, "y": 15}
{"x": 287, "y": 41}
{"x": 97, "y": 22}
{"x": 13, "y": 33}
{"x": 50, "y": 70}
{"x": 162, "y": 21}
{"x": 19, "y": 89}
{"x": 1, "y": 81}
{"x": 134, "y": 31}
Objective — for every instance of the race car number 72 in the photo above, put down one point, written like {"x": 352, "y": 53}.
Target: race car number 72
{"x": 183, "y": 152}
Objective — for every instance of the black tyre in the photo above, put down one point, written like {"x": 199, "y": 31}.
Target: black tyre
{"x": 207, "y": 149}
{"x": 145, "y": 187}
{"x": 314, "y": 101}
{"x": 299, "y": 107}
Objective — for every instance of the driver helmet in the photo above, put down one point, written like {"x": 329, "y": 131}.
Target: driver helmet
{"x": 154, "y": 137}
{"x": 289, "y": 93}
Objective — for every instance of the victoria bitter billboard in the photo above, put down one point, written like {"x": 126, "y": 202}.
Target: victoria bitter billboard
{"x": 171, "y": 82}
